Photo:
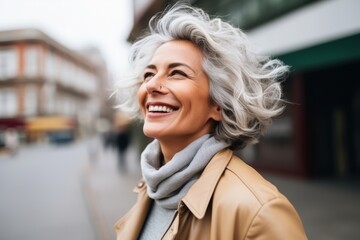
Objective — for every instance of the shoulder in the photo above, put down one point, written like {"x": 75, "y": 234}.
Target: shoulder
{"x": 241, "y": 192}
{"x": 243, "y": 195}
{"x": 240, "y": 179}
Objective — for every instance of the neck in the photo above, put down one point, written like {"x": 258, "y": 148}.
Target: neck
{"x": 170, "y": 147}
{"x": 169, "y": 150}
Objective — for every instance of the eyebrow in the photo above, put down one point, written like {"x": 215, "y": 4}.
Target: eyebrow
{"x": 172, "y": 65}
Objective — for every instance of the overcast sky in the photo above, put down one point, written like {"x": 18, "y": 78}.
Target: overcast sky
{"x": 76, "y": 24}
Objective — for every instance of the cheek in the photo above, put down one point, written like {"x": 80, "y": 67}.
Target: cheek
{"x": 141, "y": 95}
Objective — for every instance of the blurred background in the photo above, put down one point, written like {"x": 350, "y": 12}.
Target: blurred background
{"x": 69, "y": 159}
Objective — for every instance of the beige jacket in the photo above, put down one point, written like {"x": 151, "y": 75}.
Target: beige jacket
{"x": 229, "y": 201}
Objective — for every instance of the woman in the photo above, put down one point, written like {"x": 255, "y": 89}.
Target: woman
{"x": 203, "y": 93}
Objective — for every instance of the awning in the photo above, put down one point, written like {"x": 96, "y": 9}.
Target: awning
{"x": 50, "y": 124}
{"x": 330, "y": 53}
{"x": 15, "y": 122}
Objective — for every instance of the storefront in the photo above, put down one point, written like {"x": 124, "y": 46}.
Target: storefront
{"x": 54, "y": 129}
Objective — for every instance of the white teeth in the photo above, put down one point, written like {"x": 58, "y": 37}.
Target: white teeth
{"x": 160, "y": 109}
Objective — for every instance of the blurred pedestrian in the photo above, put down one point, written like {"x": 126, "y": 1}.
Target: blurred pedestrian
{"x": 11, "y": 140}
{"x": 123, "y": 136}
{"x": 203, "y": 92}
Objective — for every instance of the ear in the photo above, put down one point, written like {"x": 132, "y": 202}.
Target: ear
{"x": 216, "y": 113}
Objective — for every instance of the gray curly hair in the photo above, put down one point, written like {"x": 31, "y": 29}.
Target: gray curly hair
{"x": 243, "y": 83}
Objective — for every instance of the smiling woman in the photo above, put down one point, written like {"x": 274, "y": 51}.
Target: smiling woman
{"x": 177, "y": 84}
{"x": 202, "y": 93}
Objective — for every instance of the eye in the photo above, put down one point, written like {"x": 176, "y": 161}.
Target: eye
{"x": 148, "y": 76}
{"x": 178, "y": 73}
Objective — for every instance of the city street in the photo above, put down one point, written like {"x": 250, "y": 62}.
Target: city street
{"x": 78, "y": 192}
{"x": 47, "y": 192}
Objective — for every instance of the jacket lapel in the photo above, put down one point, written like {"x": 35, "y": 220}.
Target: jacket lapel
{"x": 198, "y": 197}
{"x": 129, "y": 226}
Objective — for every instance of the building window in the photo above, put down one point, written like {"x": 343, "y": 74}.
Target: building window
{"x": 31, "y": 100}
{"x": 8, "y": 63}
{"x": 49, "y": 66}
{"x": 49, "y": 91}
{"x": 67, "y": 106}
{"x": 31, "y": 61}
{"x": 8, "y": 102}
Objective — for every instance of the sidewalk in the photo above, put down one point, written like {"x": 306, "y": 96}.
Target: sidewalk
{"x": 108, "y": 193}
{"x": 329, "y": 210}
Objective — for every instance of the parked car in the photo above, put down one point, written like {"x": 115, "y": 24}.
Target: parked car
{"x": 62, "y": 137}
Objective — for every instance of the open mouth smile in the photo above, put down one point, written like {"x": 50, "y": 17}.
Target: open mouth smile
{"x": 161, "y": 109}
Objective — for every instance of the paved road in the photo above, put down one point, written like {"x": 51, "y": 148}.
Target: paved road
{"x": 42, "y": 195}
{"x": 64, "y": 192}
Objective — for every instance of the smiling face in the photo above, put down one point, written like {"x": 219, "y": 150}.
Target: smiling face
{"x": 174, "y": 96}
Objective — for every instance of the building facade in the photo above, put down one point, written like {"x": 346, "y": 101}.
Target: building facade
{"x": 46, "y": 88}
{"x": 318, "y": 136}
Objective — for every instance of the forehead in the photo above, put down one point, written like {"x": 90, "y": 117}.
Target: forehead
{"x": 177, "y": 51}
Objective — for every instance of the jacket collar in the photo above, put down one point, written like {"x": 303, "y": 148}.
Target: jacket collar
{"x": 198, "y": 197}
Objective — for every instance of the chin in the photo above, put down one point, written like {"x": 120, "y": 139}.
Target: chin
{"x": 151, "y": 132}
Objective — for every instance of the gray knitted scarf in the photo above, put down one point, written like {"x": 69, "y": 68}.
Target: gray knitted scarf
{"x": 169, "y": 183}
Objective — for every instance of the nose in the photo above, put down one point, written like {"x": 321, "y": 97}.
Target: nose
{"x": 155, "y": 85}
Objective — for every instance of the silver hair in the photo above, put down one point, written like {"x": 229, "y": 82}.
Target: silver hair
{"x": 243, "y": 83}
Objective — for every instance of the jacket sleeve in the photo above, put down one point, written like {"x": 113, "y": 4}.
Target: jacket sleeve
{"x": 276, "y": 220}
